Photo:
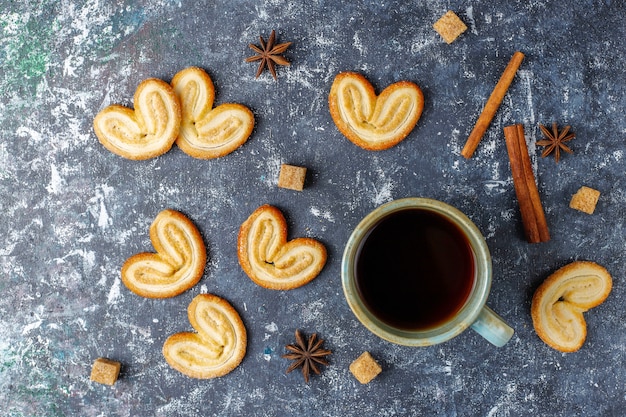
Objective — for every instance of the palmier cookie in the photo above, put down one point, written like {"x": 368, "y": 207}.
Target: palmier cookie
{"x": 272, "y": 262}
{"x": 208, "y": 132}
{"x": 178, "y": 263}
{"x": 219, "y": 344}
{"x": 560, "y": 301}
{"x": 145, "y": 132}
{"x": 371, "y": 122}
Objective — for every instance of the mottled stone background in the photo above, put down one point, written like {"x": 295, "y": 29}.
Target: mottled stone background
{"x": 72, "y": 212}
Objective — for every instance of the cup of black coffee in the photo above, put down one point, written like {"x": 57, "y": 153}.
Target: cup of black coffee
{"x": 417, "y": 272}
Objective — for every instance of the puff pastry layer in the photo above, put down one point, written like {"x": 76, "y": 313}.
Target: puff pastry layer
{"x": 560, "y": 301}
{"x": 374, "y": 122}
{"x": 208, "y": 132}
{"x": 272, "y": 262}
{"x": 145, "y": 132}
{"x": 218, "y": 345}
{"x": 178, "y": 263}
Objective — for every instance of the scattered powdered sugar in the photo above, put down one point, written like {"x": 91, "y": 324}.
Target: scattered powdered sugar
{"x": 358, "y": 44}
{"x": 311, "y": 311}
{"x": 32, "y": 326}
{"x": 455, "y": 141}
{"x": 383, "y": 192}
{"x": 422, "y": 43}
{"x": 76, "y": 215}
{"x": 526, "y": 77}
{"x": 98, "y": 208}
{"x": 272, "y": 327}
{"x": 30, "y": 134}
{"x": 469, "y": 13}
{"x": 114, "y": 295}
{"x": 325, "y": 214}
{"x": 56, "y": 184}
{"x": 607, "y": 160}
{"x": 493, "y": 187}
{"x": 272, "y": 170}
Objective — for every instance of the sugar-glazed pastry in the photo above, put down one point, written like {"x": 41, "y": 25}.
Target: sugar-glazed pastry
{"x": 178, "y": 263}
{"x": 272, "y": 262}
{"x": 145, "y": 132}
{"x": 208, "y": 132}
{"x": 374, "y": 122}
{"x": 219, "y": 344}
{"x": 560, "y": 301}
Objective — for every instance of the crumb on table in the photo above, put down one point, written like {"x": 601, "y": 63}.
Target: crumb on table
{"x": 291, "y": 177}
{"x": 365, "y": 368}
{"x": 585, "y": 200}
{"x": 105, "y": 371}
{"x": 449, "y": 26}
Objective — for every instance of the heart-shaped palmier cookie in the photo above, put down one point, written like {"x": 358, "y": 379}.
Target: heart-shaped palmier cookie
{"x": 374, "y": 122}
{"x": 145, "y": 132}
{"x": 208, "y": 132}
{"x": 560, "y": 301}
{"x": 178, "y": 263}
{"x": 272, "y": 262}
{"x": 219, "y": 344}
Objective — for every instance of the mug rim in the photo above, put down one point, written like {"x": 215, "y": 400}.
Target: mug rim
{"x": 476, "y": 300}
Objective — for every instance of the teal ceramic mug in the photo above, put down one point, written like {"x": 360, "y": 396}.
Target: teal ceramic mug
{"x": 417, "y": 272}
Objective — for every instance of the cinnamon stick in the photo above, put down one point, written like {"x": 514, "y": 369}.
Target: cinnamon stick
{"x": 533, "y": 216}
{"x": 492, "y": 105}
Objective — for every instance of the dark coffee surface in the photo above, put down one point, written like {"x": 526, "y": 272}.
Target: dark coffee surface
{"x": 415, "y": 269}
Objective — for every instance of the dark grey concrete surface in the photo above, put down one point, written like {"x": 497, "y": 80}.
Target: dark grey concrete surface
{"x": 72, "y": 212}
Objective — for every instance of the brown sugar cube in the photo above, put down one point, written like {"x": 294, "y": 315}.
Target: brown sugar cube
{"x": 449, "y": 26}
{"x": 105, "y": 371}
{"x": 585, "y": 200}
{"x": 365, "y": 368}
{"x": 291, "y": 177}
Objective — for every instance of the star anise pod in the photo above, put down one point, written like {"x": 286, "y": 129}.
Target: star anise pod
{"x": 308, "y": 355}
{"x": 555, "y": 141}
{"x": 269, "y": 54}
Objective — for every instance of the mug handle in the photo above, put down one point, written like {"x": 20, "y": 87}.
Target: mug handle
{"x": 492, "y": 327}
